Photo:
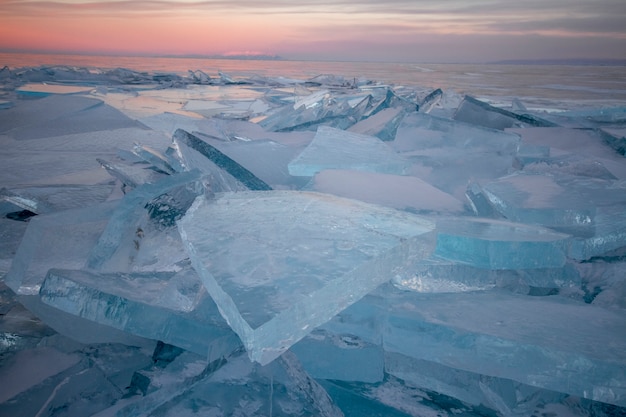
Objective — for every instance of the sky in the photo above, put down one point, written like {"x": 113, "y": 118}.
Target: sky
{"x": 435, "y": 31}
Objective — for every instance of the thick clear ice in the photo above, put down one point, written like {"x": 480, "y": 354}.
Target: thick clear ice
{"x": 515, "y": 337}
{"x": 333, "y": 148}
{"x": 280, "y": 263}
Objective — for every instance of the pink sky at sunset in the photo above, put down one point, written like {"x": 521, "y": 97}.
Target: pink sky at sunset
{"x": 396, "y": 30}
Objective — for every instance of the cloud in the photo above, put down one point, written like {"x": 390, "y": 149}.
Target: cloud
{"x": 272, "y": 24}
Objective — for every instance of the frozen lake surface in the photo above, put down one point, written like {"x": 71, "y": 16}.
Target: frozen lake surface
{"x": 217, "y": 237}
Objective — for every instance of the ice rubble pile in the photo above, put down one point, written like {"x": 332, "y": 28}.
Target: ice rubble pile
{"x": 371, "y": 249}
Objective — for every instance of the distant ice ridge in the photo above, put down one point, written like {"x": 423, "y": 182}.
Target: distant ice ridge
{"x": 249, "y": 245}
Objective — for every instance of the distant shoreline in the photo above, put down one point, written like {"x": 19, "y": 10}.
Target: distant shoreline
{"x": 580, "y": 61}
{"x": 264, "y": 57}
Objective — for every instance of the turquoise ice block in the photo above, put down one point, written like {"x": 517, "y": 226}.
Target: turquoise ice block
{"x": 548, "y": 342}
{"x": 166, "y": 306}
{"x": 498, "y": 244}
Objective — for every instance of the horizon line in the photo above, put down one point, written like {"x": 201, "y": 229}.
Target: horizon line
{"x": 273, "y": 57}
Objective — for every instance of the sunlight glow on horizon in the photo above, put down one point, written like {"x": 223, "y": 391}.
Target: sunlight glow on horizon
{"x": 454, "y": 30}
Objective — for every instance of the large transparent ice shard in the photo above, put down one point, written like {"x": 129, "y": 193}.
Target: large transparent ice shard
{"x": 128, "y": 212}
{"x": 548, "y": 342}
{"x": 318, "y": 109}
{"x": 163, "y": 306}
{"x": 430, "y": 101}
{"x": 383, "y": 124}
{"x": 575, "y": 144}
{"x": 396, "y": 191}
{"x": 495, "y": 244}
{"x": 390, "y": 99}
{"x": 587, "y": 208}
{"x": 480, "y": 113}
{"x": 504, "y": 396}
{"x": 131, "y": 176}
{"x": 212, "y": 155}
{"x": 154, "y": 157}
{"x": 280, "y": 263}
{"x": 42, "y": 392}
{"x": 609, "y": 234}
{"x": 337, "y": 149}
{"x": 266, "y": 159}
{"x": 62, "y": 240}
{"x": 420, "y": 131}
{"x": 448, "y": 154}
{"x": 231, "y": 387}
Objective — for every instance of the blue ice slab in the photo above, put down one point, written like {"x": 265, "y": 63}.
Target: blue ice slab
{"x": 315, "y": 109}
{"x": 129, "y": 211}
{"x": 198, "y": 154}
{"x": 383, "y": 124}
{"x": 232, "y": 387}
{"x": 166, "y": 306}
{"x": 609, "y": 234}
{"x": 615, "y": 138}
{"x": 280, "y": 263}
{"x": 62, "y": 239}
{"x": 440, "y": 275}
{"x": 131, "y": 176}
{"x": 569, "y": 145}
{"x": 496, "y": 244}
{"x": 397, "y": 191}
{"x": 351, "y": 343}
{"x": 342, "y": 357}
{"x": 480, "y": 113}
{"x": 388, "y": 100}
{"x": 430, "y": 100}
{"x": 575, "y": 205}
{"x": 569, "y": 164}
{"x": 266, "y": 159}
{"x": 338, "y": 149}
{"x": 154, "y": 157}
{"x": 504, "y": 396}
{"x": 419, "y": 131}
{"x": 548, "y": 342}
{"x": 448, "y": 154}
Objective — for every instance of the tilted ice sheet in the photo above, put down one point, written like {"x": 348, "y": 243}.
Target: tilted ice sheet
{"x": 163, "y": 306}
{"x": 480, "y": 113}
{"x": 338, "y": 149}
{"x": 590, "y": 144}
{"x": 63, "y": 239}
{"x": 396, "y": 191}
{"x": 448, "y": 153}
{"x": 419, "y": 131}
{"x": 588, "y": 208}
{"x": 230, "y": 175}
{"x": 548, "y": 342}
{"x": 280, "y": 263}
